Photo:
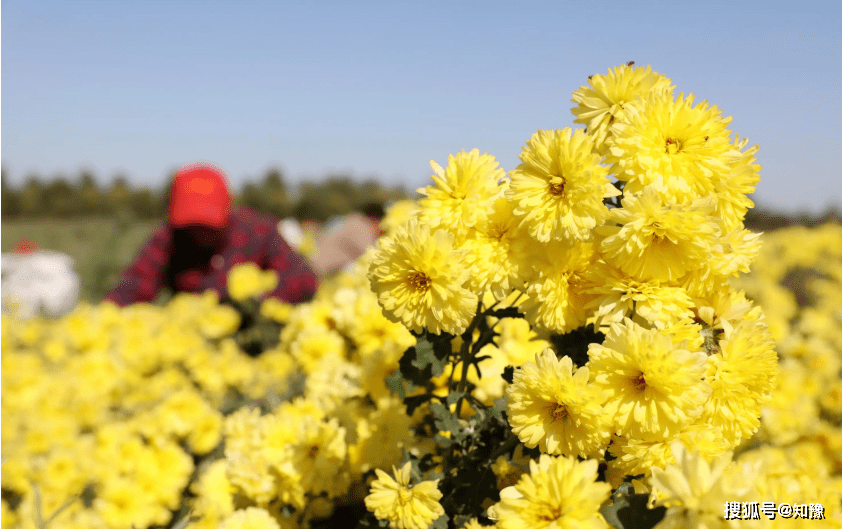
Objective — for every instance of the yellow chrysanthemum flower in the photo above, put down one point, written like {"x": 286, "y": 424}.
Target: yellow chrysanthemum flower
{"x": 319, "y": 456}
{"x": 404, "y": 506}
{"x": 247, "y": 281}
{"x": 559, "y": 492}
{"x": 687, "y": 147}
{"x": 397, "y": 215}
{"x": 276, "y": 310}
{"x": 456, "y": 202}
{"x": 557, "y": 289}
{"x": 559, "y": 186}
{"x": 743, "y": 176}
{"x": 382, "y": 436}
{"x": 250, "y": 518}
{"x": 610, "y": 97}
{"x": 695, "y": 491}
{"x": 655, "y": 388}
{"x": 618, "y": 296}
{"x": 418, "y": 278}
{"x": 508, "y": 472}
{"x": 658, "y": 240}
{"x": 742, "y": 375}
{"x": 551, "y": 406}
{"x": 490, "y": 252}
{"x": 633, "y": 457}
{"x": 219, "y": 322}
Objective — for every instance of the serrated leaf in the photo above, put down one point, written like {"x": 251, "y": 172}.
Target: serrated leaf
{"x": 431, "y": 356}
{"x": 444, "y": 420}
{"x": 442, "y": 441}
{"x": 625, "y": 489}
{"x": 453, "y": 397}
{"x": 441, "y": 522}
{"x": 423, "y": 353}
{"x": 393, "y": 382}
{"x": 498, "y": 410}
{"x": 630, "y": 512}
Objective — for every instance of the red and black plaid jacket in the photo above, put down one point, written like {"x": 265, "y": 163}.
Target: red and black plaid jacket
{"x": 251, "y": 237}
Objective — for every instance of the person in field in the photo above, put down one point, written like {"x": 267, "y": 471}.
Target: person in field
{"x": 339, "y": 248}
{"x": 204, "y": 238}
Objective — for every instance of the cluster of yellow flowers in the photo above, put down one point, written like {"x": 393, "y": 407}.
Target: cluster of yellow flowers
{"x": 685, "y": 356}
{"x": 104, "y": 409}
{"x": 632, "y": 227}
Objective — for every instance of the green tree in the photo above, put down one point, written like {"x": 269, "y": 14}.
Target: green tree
{"x": 9, "y": 199}
{"x": 60, "y": 198}
{"x": 32, "y": 200}
{"x": 90, "y": 195}
{"x": 119, "y": 195}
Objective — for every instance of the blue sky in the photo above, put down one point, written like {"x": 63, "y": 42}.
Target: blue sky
{"x": 380, "y": 88}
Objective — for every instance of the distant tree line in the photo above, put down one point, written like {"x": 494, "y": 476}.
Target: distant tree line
{"x": 61, "y": 197}
{"x": 339, "y": 194}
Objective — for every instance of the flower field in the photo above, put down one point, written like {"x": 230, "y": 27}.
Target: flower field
{"x": 591, "y": 339}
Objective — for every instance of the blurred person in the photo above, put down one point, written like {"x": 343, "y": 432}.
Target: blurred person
{"x": 339, "y": 248}
{"x": 204, "y": 238}
{"x": 38, "y": 282}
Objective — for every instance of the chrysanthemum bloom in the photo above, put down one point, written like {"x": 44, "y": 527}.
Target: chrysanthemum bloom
{"x": 695, "y": 491}
{"x": 405, "y": 506}
{"x": 731, "y": 254}
{"x": 719, "y": 311}
{"x": 557, "y": 289}
{"x": 559, "y": 186}
{"x": 508, "y": 472}
{"x": 559, "y": 492}
{"x": 490, "y": 253}
{"x": 456, "y": 202}
{"x": 397, "y": 215}
{"x": 314, "y": 344}
{"x": 382, "y": 436}
{"x": 655, "y": 388}
{"x": 219, "y": 322}
{"x": 687, "y": 146}
{"x": 556, "y": 409}
{"x": 418, "y": 277}
{"x": 319, "y": 456}
{"x": 742, "y": 375}
{"x": 609, "y": 97}
{"x": 618, "y": 296}
{"x": 741, "y": 180}
{"x": 633, "y": 457}
{"x": 248, "y": 281}
{"x": 655, "y": 240}
{"x": 250, "y": 518}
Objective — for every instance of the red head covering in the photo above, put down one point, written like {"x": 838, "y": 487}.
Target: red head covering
{"x": 26, "y": 246}
{"x": 200, "y": 196}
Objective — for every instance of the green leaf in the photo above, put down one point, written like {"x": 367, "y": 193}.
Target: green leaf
{"x": 394, "y": 384}
{"x": 454, "y": 396}
{"x": 498, "y": 410}
{"x": 442, "y": 441}
{"x": 423, "y": 353}
{"x": 441, "y": 522}
{"x": 630, "y": 512}
{"x": 431, "y": 356}
{"x": 444, "y": 420}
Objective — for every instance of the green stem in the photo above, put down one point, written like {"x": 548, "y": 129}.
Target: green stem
{"x": 510, "y": 442}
